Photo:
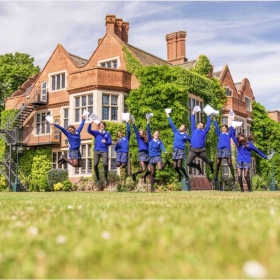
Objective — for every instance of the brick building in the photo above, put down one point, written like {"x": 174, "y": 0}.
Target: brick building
{"x": 68, "y": 84}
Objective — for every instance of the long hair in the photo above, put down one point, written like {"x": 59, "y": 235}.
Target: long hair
{"x": 144, "y": 136}
{"x": 71, "y": 126}
{"x": 245, "y": 139}
{"x": 226, "y": 126}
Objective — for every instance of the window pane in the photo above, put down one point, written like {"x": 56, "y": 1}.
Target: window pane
{"x": 113, "y": 164}
{"x": 84, "y": 101}
{"x": 114, "y": 114}
{"x": 66, "y": 113}
{"x": 89, "y": 151}
{"x": 38, "y": 117}
{"x": 48, "y": 127}
{"x": 77, "y": 102}
{"x": 108, "y": 64}
{"x": 77, "y": 115}
{"x": 43, "y": 128}
{"x": 83, "y": 169}
{"x": 43, "y": 117}
{"x": 65, "y": 124}
{"x": 90, "y": 110}
{"x": 84, "y": 150}
{"x": 114, "y": 100}
{"x": 105, "y": 99}
{"x": 113, "y": 152}
{"x": 90, "y": 99}
{"x": 63, "y": 80}
{"x": 105, "y": 113}
{"x": 115, "y": 64}
{"x": 53, "y": 82}
{"x": 54, "y": 158}
{"x": 58, "y": 82}
{"x": 89, "y": 163}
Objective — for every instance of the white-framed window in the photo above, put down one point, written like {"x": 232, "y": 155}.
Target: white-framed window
{"x": 42, "y": 126}
{"x": 86, "y": 153}
{"x": 109, "y": 107}
{"x": 113, "y": 62}
{"x": 249, "y": 130}
{"x": 83, "y": 102}
{"x": 44, "y": 91}
{"x": 196, "y": 101}
{"x": 112, "y": 158}
{"x": 55, "y": 158}
{"x": 248, "y": 103}
{"x": 58, "y": 81}
{"x": 229, "y": 91}
{"x": 65, "y": 117}
{"x": 240, "y": 128}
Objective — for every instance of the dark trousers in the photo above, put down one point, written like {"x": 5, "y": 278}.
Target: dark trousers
{"x": 97, "y": 156}
{"x": 192, "y": 155}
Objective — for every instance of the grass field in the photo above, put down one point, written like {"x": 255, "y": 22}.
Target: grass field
{"x": 198, "y": 234}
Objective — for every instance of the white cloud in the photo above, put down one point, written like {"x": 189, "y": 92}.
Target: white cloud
{"x": 241, "y": 35}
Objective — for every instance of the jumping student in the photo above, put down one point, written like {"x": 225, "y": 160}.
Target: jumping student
{"x": 74, "y": 139}
{"x": 122, "y": 147}
{"x": 243, "y": 159}
{"x": 198, "y": 139}
{"x": 143, "y": 153}
{"x": 223, "y": 148}
{"x": 178, "y": 151}
{"x": 155, "y": 148}
{"x": 101, "y": 143}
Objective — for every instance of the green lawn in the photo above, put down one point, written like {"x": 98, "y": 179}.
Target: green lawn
{"x": 198, "y": 234}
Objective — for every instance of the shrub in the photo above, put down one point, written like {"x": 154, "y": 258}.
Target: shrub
{"x": 258, "y": 183}
{"x": 58, "y": 186}
{"x": 43, "y": 184}
{"x": 67, "y": 185}
{"x": 56, "y": 176}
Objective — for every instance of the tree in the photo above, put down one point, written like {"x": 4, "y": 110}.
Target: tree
{"x": 14, "y": 71}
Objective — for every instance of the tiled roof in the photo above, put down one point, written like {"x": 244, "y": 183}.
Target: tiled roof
{"x": 146, "y": 58}
{"x": 238, "y": 86}
{"x": 217, "y": 74}
{"x": 79, "y": 61}
{"x": 188, "y": 65}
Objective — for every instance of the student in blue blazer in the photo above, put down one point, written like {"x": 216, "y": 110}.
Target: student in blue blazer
{"x": 101, "y": 144}
{"x": 244, "y": 154}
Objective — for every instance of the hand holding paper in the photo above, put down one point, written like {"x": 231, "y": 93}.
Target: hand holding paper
{"x": 269, "y": 157}
{"x": 210, "y": 111}
{"x": 149, "y": 115}
{"x": 49, "y": 119}
{"x": 196, "y": 109}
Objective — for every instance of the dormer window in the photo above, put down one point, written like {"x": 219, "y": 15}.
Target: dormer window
{"x": 58, "y": 82}
{"x": 110, "y": 63}
{"x": 229, "y": 91}
{"x": 248, "y": 104}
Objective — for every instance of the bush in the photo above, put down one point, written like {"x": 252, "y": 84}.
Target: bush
{"x": 259, "y": 184}
{"x": 58, "y": 187}
{"x": 56, "y": 176}
{"x": 43, "y": 184}
{"x": 67, "y": 185}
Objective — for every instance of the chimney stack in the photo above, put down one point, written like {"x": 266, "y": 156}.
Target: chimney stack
{"x": 117, "y": 26}
{"x": 176, "y": 47}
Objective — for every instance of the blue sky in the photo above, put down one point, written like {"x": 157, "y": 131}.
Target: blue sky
{"x": 243, "y": 35}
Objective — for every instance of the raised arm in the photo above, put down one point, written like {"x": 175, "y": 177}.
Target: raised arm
{"x": 92, "y": 132}
{"x": 193, "y": 127}
{"x": 217, "y": 129}
{"x": 128, "y": 130}
{"x": 63, "y": 130}
{"x": 136, "y": 132}
{"x": 172, "y": 125}
{"x": 79, "y": 129}
{"x": 234, "y": 138}
{"x": 149, "y": 131}
{"x": 208, "y": 124}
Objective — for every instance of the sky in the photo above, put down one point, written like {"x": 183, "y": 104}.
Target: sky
{"x": 243, "y": 35}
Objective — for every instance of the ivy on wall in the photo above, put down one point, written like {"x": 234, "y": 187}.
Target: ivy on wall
{"x": 267, "y": 134}
{"x": 168, "y": 87}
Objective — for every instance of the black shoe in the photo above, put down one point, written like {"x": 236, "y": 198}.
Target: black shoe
{"x": 168, "y": 162}
{"x": 187, "y": 180}
{"x": 232, "y": 182}
{"x": 105, "y": 182}
{"x": 133, "y": 177}
{"x": 179, "y": 178}
{"x": 242, "y": 190}
{"x": 97, "y": 182}
{"x": 61, "y": 159}
{"x": 144, "y": 180}
{"x": 212, "y": 166}
{"x": 249, "y": 190}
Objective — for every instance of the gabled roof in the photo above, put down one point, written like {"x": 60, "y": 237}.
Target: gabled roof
{"x": 238, "y": 86}
{"x": 146, "y": 58}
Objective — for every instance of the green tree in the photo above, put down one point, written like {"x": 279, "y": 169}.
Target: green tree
{"x": 14, "y": 71}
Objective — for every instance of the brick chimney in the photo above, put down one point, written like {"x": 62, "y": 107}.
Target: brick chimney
{"x": 117, "y": 26}
{"x": 176, "y": 47}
